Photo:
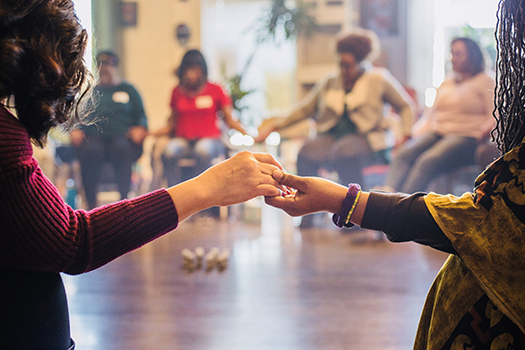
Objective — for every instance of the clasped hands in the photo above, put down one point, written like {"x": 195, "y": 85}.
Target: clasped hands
{"x": 248, "y": 175}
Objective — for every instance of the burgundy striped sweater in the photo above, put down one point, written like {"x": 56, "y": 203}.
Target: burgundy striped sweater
{"x": 39, "y": 232}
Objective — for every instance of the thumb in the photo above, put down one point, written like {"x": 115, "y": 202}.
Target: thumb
{"x": 288, "y": 180}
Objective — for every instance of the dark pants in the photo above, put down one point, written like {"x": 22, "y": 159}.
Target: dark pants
{"x": 346, "y": 155}
{"x": 33, "y": 311}
{"x": 120, "y": 152}
{"x": 423, "y": 159}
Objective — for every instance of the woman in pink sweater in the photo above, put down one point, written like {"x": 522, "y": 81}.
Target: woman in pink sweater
{"x": 44, "y": 81}
{"x": 451, "y": 130}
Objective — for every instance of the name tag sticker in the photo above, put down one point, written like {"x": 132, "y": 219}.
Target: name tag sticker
{"x": 203, "y": 102}
{"x": 120, "y": 97}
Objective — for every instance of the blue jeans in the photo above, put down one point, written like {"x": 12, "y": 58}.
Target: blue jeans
{"x": 202, "y": 150}
{"x": 423, "y": 159}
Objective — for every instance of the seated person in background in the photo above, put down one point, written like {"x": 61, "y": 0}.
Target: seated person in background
{"x": 117, "y": 137}
{"x": 476, "y": 300}
{"x": 348, "y": 108}
{"x": 452, "y": 128}
{"x": 192, "y": 126}
{"x": 41, "y": 235}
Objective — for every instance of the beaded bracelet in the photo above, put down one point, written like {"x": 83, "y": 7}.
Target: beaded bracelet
{"x": 349, "y": 204}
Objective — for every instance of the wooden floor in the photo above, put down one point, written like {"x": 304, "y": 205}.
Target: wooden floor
{"x": 283, "y": 289}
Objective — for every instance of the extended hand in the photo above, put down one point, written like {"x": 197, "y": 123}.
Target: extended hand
{"x": 310, "y": 195}
{"x": 264, "y": 130}
{"x": 240, "y": 178}
{"x": 137, "y": 134}
{"x": 243, "y": 177}
{"x": 77, "y": 137}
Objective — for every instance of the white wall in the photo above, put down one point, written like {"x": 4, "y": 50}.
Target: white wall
{"x": 228, "y": 42}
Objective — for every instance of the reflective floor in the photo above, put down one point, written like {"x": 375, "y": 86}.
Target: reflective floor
{"x": 283, "y": 288}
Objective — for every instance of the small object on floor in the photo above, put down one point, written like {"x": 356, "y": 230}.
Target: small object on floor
{"x": 211, "y": 260}
{"x": 188, "y": 259}
{"x": 222, "y": 259}
{"x": 199, "y": 255}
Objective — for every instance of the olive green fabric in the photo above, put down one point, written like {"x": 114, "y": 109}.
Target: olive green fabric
{"x": 487, "y": 231}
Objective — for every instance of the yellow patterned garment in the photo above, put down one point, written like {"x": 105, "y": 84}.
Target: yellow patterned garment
{"x": 478, "y": 298}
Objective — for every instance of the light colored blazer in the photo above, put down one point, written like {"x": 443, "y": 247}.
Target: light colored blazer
{"x": 365, "y": 105}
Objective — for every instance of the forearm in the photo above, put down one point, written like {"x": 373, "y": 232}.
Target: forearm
{"x": 165, "y": 130}
{"x": 307, "y": 108}
{"x": 403, "y": 218}
{"x": 236, "y": 125}
{"x": 296, "y": 116}
{"x": 189, "y": 198}
{"x": 42, "y": 233}
{"x": 407, "y": 119}
{"x": 403, "y": 104}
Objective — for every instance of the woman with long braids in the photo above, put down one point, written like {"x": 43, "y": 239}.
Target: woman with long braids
{"x": 44, "y": 82}
{"x": 477, "y": 300}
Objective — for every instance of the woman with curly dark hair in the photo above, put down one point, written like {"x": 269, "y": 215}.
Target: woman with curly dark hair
{"x": 44, "y": 82}
{"x": 477, "y": 300}
{"x": 348, "y": 109}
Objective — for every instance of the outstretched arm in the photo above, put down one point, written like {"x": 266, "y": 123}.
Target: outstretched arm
{"x": 41, "y": 233}
{"x": 402, "y": 217}
{"x": 170, "y": 126}
{"x": 232, "y": 123}
{"x": 313, "y": 194}
{"x": 238, "y": 179}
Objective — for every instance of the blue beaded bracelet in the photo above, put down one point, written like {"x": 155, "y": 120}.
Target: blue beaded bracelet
{"x": 349, "y": 204}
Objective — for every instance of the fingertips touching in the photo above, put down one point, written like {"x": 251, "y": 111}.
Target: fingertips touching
{"x": 278, "y": 175}
{"x": 268, "y": 158}
{"x": 267, "y": 190}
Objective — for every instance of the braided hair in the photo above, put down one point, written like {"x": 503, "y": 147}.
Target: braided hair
{"x": 510, "y": 75}
{"x": 42, "y": 66}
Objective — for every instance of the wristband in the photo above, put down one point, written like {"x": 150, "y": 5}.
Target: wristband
{"x": 349, "y": 204}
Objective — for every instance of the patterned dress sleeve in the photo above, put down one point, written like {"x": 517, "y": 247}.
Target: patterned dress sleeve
{"x": 487, "y": 230}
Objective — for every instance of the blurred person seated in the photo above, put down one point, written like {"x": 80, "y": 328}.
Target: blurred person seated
{"x": 348, "y": 108}
{"x": 447, "y": 135}
{"x": 193, "y": 129}
{"x": 119, "y": 132}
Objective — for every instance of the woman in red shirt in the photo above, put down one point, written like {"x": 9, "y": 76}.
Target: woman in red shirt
{"x": 44, "y": 82}
{"x": 193, "y": 125}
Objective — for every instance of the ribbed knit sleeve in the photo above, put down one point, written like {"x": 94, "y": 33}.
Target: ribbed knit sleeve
{"x": 39, "y": 232}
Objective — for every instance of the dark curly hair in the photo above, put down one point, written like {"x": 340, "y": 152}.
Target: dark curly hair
{"x": 360, "y": 43}
{"x": 42, "y": 46}
{"x": 510, "y": 75}
{"x": 475, "y": 55}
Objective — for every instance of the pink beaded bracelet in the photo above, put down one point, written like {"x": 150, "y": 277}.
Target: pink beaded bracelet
{"x": 349, "y": 204}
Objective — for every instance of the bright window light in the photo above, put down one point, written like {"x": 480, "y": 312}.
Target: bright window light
{"x": 83, "y": 10}
{"x": 274, "y": 139}
{"x": 236, "y": 139}
{"x": 430, "y": 96}
{"x": 457, "y": 14}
